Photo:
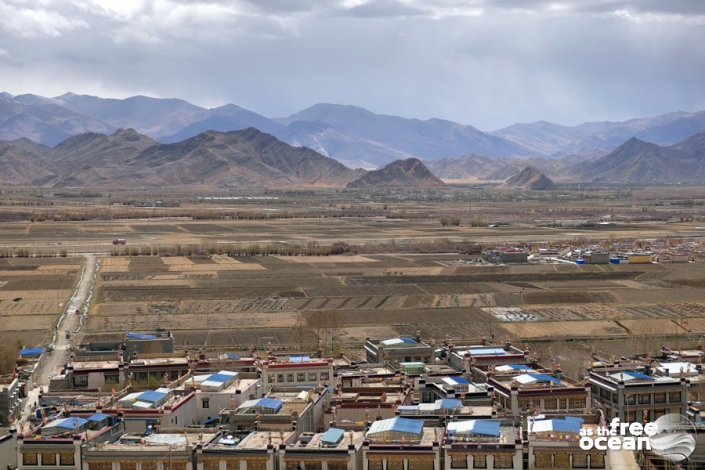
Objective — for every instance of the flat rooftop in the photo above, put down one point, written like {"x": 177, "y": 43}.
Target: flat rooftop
{"x": 155, "y": 442}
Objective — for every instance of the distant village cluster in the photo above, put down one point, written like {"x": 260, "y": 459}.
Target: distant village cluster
{"x": 618, "y": 252}
{"x": 138, "y": 404}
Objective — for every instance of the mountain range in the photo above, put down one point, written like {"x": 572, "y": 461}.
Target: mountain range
{"x": 352, "y": 135}
{"x": 246, "y": 158}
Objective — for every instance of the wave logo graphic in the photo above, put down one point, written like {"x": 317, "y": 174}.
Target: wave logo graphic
{"x": 674, "y": 439}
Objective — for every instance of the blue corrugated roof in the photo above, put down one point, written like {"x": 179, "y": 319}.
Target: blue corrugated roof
{"x": 222, "y": 378}
{"x": 211, "y": 420}
{"x": 271, "y": 403}
{"x": 407, "y": 425}
{"x": 519, "y": 366}
{"x": 31, "y": 351}
{"x": 639, "y": 375}
{"x": 486, "y": 352}
{"x": 70, "y": 423}
{"x": 545, "y": 378}
{"x": 408, "y": 340}
{"x": 131, "y": 335}
{"x": 151, "y": 396}
{"x": 488, "y": 428}
{"x": 332, "y": 436}
{"x": 574, "y": 418}
{"x": 398, "y": 425}
{"x": 450, "y": 403}
{"x": 98, "y": 417}
{"x": 460, "y": 380}
{"x": 565, "y": 425}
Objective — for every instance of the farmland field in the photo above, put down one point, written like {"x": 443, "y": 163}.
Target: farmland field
{"x": 407, "y": 274}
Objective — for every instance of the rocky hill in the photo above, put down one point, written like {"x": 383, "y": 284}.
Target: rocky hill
{"x": 530, "y": 179}
{"x": 641, "y": 162}
{"x": 409, "y": 173}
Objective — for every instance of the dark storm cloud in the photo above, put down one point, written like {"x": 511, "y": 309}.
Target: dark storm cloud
{"x": 481, "y": 62}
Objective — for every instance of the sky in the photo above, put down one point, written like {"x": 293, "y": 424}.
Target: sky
{"x": 486, "y": 63}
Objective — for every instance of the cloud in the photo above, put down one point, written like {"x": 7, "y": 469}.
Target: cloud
{"x": 488, "y": 63}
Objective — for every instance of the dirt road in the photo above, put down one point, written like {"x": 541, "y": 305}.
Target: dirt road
{"x": 70, "y": 323}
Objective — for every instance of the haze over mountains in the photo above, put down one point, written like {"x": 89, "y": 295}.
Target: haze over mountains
{"x": 350, "y": 134}
{"x": 85, "y": 140}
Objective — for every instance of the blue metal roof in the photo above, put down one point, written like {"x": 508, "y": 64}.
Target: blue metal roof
{"x": 232, "y": 356}
{"x": 131, "y": 335}
{"x": 70, "y": 423}
{"x": 212, "y": 420}
{"x": 408, "y": 340}
{"x": 545, "y": 378}
{"x": 151, "y": 396}
{"x": 574, "y": 418}
{"x": 333, "y": 436}
{"x": 639, "y": 375}
{"x": 460, "y": 380}
{"x": 486, "y": 352}
{"x": 450, "y": 403}
{"x": 488, "y": 428}
{"x": 519, "y": 366}
{"x": 271, "y": 403}
{"x": 31, "y": 351}
{"x": 565, "y": 425}
{"x": 98, "y": 417}
{"x": 221, "y": 378}
{"x": 397, "y": 424}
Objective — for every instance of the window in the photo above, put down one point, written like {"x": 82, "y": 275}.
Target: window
{"x": 480, "y": 461}
{"x": 631, "y": 399}
{"x": 597, "y": 460}
{"x": 561, "y": 460}
{"x": 128, "y": 465}
{"x": 576, "y": 403}
{"x": 338, "y": 465}
{"x": 149, "y": 465}
{"x": 660, "y": 397}
{"x": 605, "y": 393}
{"x": 312, "y": 376}
{"x": 674, "y": 397}
{"x": 211, "y": 464}
{"x": 504, "y": 461}
{"x": 644, "y": 398}
{"x": 112, "y": 378}
{"x": 420, "y": 464}
{"x": 313, "y": 464}
{"x": 205, "y": 403}
{"x": 550, "y": 404}
{"x": 301, "y": 377}
{"x": 29, "y": 458}
{"x": 48, "y": 458}
{"x": 374, "y": 464}
{"x": 67, "y": 458}
{"x": 100, "y": 465}
{"x": 178, "y": 465}
{"x": 396, "y": 464}
{"x": 289, "y": 377}
{"x": 232, "y": 465}
{"x": 80, "y": 380}
{"x": 256, "y": 465}
{"x": 458, "y": 461}
{"x": 280, "y": 378}
{"x": 325, "y": 376}
{"x": 543, "y": 460}
{"x": 580, "y": 461}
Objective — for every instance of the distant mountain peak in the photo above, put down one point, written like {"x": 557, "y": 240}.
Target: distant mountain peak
{"x": 531, "y": 179}
{"x": 409, "y": 173}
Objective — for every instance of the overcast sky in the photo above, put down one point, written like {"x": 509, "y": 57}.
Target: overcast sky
{"x": 487, "y": 63}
